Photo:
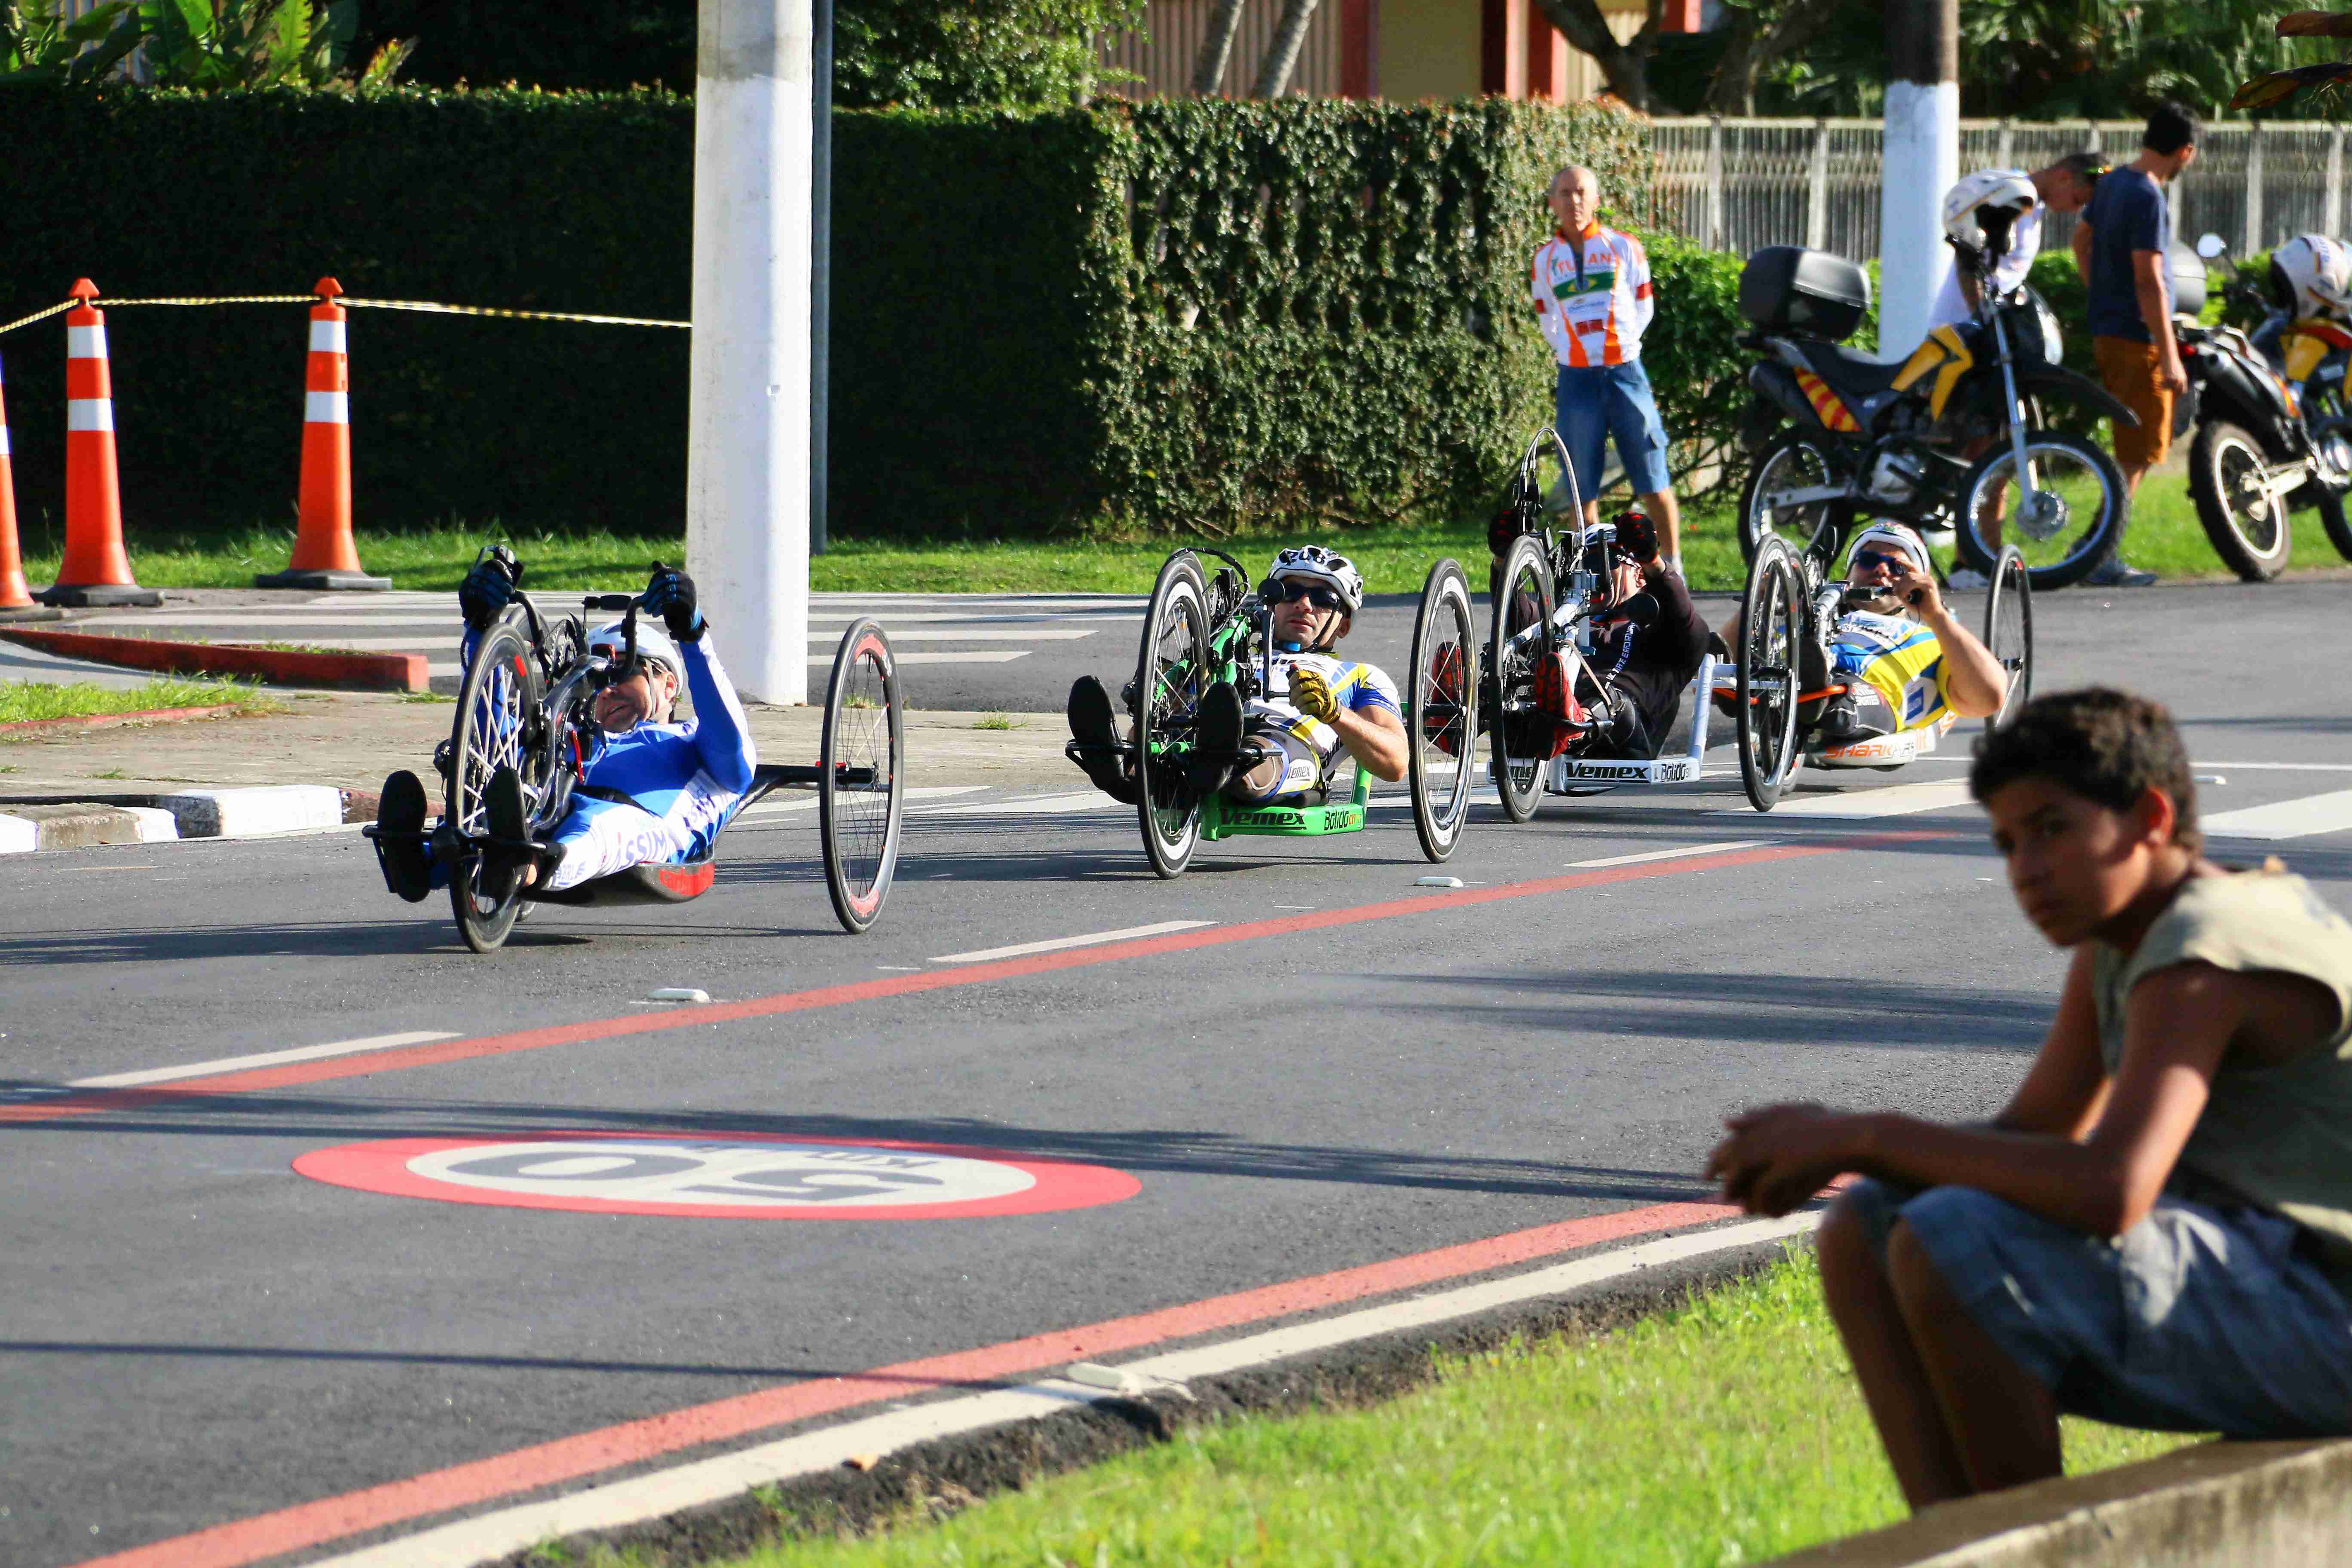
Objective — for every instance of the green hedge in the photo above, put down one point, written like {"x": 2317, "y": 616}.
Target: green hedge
{"x": 1173, "y": 315}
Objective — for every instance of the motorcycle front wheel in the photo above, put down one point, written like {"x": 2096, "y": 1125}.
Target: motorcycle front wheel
{"x": 2336, "y": 434}
{"x": 1792, "y": 461}
{"x": 2070, "y": 519}
{"x": 2228, "y": 476}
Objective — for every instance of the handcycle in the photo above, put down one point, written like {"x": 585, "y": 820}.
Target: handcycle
{"x": 527, "y": 703}
{"x": 1791, "y": 597}
{"x": 1199, "y": 630}
{"x": 1553, "y": 586}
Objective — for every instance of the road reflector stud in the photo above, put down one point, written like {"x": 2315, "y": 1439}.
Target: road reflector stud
{"x": 1437, "y": 881}
{"x": 677, "y": 994}
{"x": 325, "y": 554}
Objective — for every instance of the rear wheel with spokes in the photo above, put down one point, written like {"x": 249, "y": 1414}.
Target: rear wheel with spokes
{"x": 1171, "y": 676}
{"x": 1791, "y": 462}
{"x": 1771, "y": 633}
{"x": 1518, "y": 731}
{"x": 2009, "y": 632}
{"x": 1444, "y": 710}
{"x": 496, "y": 707}
{"x": 862, "y": 784}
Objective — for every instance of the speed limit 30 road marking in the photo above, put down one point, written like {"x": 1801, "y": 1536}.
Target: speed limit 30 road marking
{"x": 726, "y": 1175}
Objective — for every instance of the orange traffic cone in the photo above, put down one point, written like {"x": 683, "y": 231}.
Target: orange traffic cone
{"x": 324, "y": 555}
{"x": 13, "y": 594}
{"x": 95, "y": 570}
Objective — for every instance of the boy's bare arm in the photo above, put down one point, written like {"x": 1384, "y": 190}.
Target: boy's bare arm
{"x": 2060, "y": 1097}
{"x": 2178, "y": 1021}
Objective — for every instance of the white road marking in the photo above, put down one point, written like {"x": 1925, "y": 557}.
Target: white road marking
{"x": 975, "y": 656}
{"x": 1669, "y": 854}
{"x": 637, "y": 1498}
{"x": 1081, "y": 800}
{"x": 1901, "y": 800}
{"x": 2330, "y": 812}
{"x": 2201, "y": 763}
{"x": 265, "y": 1060}
{"x": 809, "y": 802}
{"x": 1058, "y": 944}
{"x": 977, "y": 634}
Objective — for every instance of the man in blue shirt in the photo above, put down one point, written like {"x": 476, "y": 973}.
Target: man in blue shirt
{"x": 2120, "y": 246}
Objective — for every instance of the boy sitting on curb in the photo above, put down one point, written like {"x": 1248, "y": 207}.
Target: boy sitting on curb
{"x": 2158, "y": 1230}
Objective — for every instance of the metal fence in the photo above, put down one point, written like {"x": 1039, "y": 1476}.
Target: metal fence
{"x": 1736, "y": 184}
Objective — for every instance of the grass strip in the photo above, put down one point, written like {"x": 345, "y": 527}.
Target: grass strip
{"x": 2164, "y": 536}
{"x": 23, "y": 700}
{"x": 1725, "y": 1430}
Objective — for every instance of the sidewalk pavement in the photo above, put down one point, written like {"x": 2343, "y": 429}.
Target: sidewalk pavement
{"x": 347, "y": 742}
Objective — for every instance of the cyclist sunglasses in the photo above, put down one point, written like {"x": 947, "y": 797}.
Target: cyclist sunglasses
{"x": 1289, "y": 590}
{"x": 1865, "y": 559}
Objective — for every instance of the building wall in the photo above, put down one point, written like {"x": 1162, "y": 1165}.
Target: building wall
{"x": 1428, "y": 50}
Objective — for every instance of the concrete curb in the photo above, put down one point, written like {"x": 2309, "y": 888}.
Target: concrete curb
{"x": 2250, "y": 1505}
{"x": 354, "y": 671}
{"x": 112, "y": 721}
{"x": 250, "y": 812}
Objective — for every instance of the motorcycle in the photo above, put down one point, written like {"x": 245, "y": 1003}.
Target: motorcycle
{"x": 1941, "y": 440}
{"x": 2273, "y": 434}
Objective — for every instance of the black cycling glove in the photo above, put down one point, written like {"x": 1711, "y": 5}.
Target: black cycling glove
{"x": 670, "y": 594}
{"x": 487, "y": 589}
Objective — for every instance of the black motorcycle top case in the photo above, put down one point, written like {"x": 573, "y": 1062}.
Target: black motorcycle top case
{"x": 1808, "y": 293}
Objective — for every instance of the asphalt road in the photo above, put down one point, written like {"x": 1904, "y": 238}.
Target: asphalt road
{"x": 193, "y": 1332}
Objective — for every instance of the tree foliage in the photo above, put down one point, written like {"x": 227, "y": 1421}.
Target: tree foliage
{"x": 970, "y": 54}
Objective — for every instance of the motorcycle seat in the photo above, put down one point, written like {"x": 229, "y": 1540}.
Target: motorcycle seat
{"x": 1853, "y": 375}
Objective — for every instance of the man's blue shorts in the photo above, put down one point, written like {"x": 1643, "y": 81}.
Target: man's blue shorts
{"x": 2197, "y": 1319}
{"x": 1591, "y": 402}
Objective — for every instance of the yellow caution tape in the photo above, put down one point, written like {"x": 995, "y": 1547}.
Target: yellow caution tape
{"x": 39, "y": 316}
{"x": 354, "y": 304}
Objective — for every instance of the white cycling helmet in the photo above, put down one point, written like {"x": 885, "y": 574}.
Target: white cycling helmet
{"x": 1314, "y": 563}
{"x": 2317, "y": 272}
{"x": 654, "y": 645}
{"x": 1893, "y": 536}
{"x": 1968, "y": 204}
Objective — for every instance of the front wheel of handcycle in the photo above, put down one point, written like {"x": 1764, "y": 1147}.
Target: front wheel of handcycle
{"x": 497, "y": 705}
{"x": 2009, "y": 632}
{"x": 1519, "y": 731}
{"x": 1171, "y": 676}
{"x": 862, "y": 783}
{"x": 2067, "y": 523}
{"x": 1771, "y": 636}
{"x": 1443, "y": 709}
{"x": 2244, "y": 518}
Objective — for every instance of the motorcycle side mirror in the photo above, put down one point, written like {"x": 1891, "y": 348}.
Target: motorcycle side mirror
{"x": 2211, "y": 245}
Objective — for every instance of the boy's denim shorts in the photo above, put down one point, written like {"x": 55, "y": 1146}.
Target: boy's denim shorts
{"x": 1593, "y": 402}
{"x": 2195, "y": 1319}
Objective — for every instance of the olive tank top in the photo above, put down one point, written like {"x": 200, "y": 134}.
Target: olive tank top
{"x": 2277, "y": 1137}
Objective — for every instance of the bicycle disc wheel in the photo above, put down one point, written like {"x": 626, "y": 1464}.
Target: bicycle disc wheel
{"x": 1444, "y": 710}
{"x": 1171, "y": 673}
{"x": 495, "y": 706}
{"x": 2073, "y": 518}
{"x": 1518, "y": 731}
{"x": 862, "y": 783}
{"x": 2009, "y": 632}
{"x": 1772, "y": 629}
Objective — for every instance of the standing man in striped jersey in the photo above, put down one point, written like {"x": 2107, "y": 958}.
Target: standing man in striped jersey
{"x": 1592, "y": 288}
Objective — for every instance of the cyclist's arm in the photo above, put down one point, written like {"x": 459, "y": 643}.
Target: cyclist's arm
{"x": 722, "y": 736}
{"x": 1374, "y": 735}
{"x": 1974, "y": 682}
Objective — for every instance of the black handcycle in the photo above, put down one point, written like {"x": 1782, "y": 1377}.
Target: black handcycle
{"x": 527, "y": 703}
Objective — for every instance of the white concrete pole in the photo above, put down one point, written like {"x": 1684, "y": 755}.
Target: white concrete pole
{"x": 747, "y": 464}
{"x": 1922, "y": 160}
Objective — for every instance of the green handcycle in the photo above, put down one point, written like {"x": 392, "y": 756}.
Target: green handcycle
{"x": 1201, "y": 629}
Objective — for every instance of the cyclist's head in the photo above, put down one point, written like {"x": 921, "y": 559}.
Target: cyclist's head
{"x": 1875, "y": 549}
{"x": 651, "y": 691}
{"x": 1314, "y": 593}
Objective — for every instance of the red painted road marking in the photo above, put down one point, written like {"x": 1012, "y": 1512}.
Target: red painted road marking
{"x": 823, "y": 996}
{"x": 387, "y": 1165}
{"x": 546, "y": 1464}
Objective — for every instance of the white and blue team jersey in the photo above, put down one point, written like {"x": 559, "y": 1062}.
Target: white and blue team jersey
{"x": 691, "y": 774}
{"x": 1354, "y": 687}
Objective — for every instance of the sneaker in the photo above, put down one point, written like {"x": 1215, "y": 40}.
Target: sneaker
{"x": 1093, "y": 740}
{"x": 400, "y": 843}
{"x": 1969, "y": 579}
{"x": 2112, "y": 574}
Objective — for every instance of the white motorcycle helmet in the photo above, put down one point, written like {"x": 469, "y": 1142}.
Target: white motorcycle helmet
{"x": 1978, "y": 195}
{"x": 2315, "y": 275}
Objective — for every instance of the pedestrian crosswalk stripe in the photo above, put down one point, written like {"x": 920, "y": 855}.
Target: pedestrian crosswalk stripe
{"x": 2330, "y": 812}
{"x": 1900, "y": 800}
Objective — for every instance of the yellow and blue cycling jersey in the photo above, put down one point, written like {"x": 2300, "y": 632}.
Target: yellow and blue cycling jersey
{"x": 1310, "y": 744}
{"x": 1898, "y": 659}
